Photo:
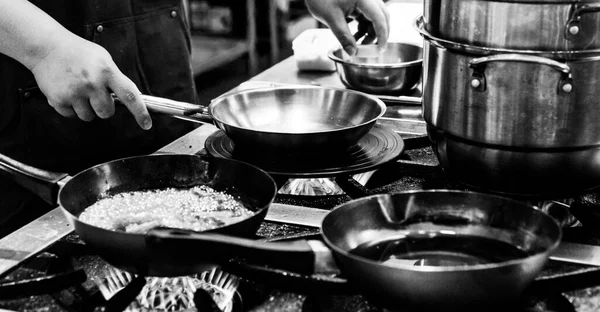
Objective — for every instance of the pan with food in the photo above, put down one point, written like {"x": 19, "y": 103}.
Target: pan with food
{"x": 112, "y": 205}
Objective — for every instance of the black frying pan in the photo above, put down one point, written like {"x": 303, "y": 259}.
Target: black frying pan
{"x": 452, "y": 249}
{"x": 129, "y": 251}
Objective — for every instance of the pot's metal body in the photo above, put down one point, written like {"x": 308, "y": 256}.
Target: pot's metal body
{"x": 513, "y": 123}
{"x": 557, "y": 25}
{"x": 512, "y": 100}
{"x": 538, "y": 173}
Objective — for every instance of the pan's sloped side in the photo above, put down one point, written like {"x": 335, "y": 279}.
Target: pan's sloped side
{"x": 296, "y": 118}
{"x": 129, "y": 251}
{"x": 400, "y": 270}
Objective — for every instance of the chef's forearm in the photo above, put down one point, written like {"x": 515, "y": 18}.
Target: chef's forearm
{"x": 27, "y": 33}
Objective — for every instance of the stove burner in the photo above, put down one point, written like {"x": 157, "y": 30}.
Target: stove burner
{"x": 172, "y": 293}
{"x": 377, "y": 147}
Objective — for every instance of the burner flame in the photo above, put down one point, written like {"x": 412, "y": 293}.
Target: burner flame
{"x": 173, "y": 293}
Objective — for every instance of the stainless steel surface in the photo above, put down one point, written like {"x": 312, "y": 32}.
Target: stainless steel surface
{"x": 308, "y": 117}
{"x": 512, "y": 123}
{"x": 296, "y": 215}
{"x": 529, "y": 25}
{"x": 512, "y": 100}
{"x": 395, "y": 70}
{"x": 577, "y": 253}
{"x": 539, "y": 173}
{"x": 32, "y": 238}
{"x": 288, "y": 117}
{"x": 419, "y": 25}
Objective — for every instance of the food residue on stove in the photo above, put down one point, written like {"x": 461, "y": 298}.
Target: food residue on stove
{"x": 198, "y": 208}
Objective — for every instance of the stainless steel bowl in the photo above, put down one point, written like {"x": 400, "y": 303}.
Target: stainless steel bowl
{"x": 397, "y": 69}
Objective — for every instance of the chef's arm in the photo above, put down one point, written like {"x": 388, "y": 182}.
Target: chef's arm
{"x": 333, "y": 13}
{"x": 75, "y": 75}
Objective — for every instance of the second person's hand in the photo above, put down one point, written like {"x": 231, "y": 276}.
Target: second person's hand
{"x": 333, "y": 13}
{"x": 77, "y": 77}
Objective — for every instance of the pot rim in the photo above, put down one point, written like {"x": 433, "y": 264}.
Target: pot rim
{"x": 333, "y": 57}
{"x": 419, "y": 22}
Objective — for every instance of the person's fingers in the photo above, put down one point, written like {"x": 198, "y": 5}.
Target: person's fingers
{"x": 337, "y": 23}
{"x": 386, "y": 12}
{"x": 375, "y": 13}
{"x": 83, "y": 109}
{"x": 65, "y": 111}
{"x": 102, "y": 103}
{"x": 129, "y": 95}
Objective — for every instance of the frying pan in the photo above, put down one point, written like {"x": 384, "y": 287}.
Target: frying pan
{"x": 128, "y": 251}
{"x": 299, "y": 117}
{"x": 443, "y": 249}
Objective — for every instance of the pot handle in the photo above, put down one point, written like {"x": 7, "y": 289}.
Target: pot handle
{"x": 177, "y": 109}
{"x": 299, "y": 256}
{"x": 45, "y": 184}
{"x": 573, "y": 26}
{"x": 478, "y": 81}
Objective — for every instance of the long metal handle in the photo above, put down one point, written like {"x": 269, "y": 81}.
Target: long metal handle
{"x": 177, "y": 109}
{"x": 513, "y": 57}
{"x": 478, "y": 80}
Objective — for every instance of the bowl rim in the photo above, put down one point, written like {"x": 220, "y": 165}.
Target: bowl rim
{"x": 336, "y": 59}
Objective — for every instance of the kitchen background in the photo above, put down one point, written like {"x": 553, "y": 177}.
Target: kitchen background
{"x": 233, "y": 40}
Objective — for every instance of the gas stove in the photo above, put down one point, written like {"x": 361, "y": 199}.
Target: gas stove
{"x": 67, "y": 276}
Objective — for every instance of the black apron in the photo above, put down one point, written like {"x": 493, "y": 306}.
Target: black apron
{"x": 149, "y": 42}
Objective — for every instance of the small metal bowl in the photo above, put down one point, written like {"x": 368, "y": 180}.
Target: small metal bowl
{"x": 397, "y": 69}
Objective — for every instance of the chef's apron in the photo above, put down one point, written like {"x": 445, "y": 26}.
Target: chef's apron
{"x": 149, "y": 42}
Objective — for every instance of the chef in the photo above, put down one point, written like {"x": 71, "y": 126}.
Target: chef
{"x": 61, "y": 59}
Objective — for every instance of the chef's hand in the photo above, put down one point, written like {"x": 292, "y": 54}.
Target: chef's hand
{"x": 77, "y": 76}
{"x": 333, "y": 13}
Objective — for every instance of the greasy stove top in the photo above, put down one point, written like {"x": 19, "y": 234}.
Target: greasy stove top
{"x": 416, "y": 169}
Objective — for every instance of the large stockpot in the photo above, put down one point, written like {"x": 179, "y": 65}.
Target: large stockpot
{"x": 556, "y": 25}
{"x": 513, "y": 123}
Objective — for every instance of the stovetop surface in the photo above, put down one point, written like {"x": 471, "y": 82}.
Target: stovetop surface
{"x": 417, "y": 169}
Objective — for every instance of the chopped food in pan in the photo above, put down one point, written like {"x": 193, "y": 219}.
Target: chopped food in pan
{"x": 198, "y": 208}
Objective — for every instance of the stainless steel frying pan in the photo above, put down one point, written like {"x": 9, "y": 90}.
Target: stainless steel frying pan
{"x": 300, "y": 117}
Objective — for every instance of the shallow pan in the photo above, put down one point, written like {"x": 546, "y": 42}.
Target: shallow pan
{"x": 284, "y": 118}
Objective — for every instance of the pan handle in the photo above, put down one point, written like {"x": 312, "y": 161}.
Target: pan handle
{"x": 45, "y": 184}
{"x": 177, "y": 109}
{"x": 299, "y": 256}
